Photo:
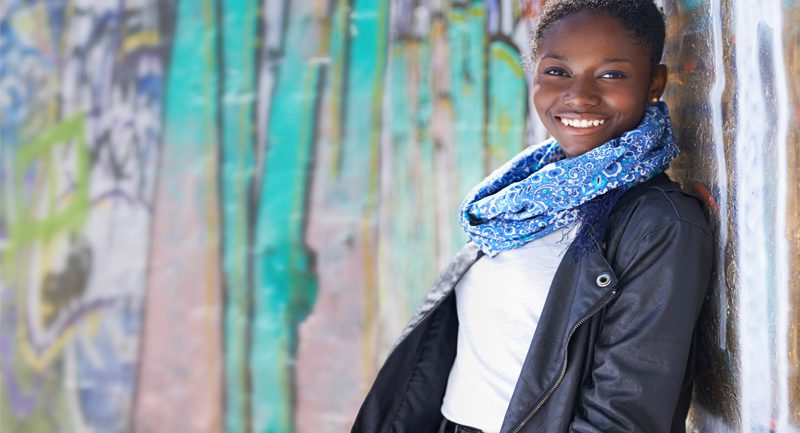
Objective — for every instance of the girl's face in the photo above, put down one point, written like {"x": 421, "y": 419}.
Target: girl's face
{"x": 592, "y": 81}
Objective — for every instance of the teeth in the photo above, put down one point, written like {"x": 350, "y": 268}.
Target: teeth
{"x": 581, "y": 123}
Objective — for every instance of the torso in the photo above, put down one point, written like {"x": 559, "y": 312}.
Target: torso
{"x": 499, "y": 301}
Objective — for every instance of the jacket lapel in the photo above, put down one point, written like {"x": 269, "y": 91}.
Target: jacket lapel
{"x": 574, "y": 294}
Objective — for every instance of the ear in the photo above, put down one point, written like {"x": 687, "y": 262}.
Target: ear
{"x": 658, "y": 82}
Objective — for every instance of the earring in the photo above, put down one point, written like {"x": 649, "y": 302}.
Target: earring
{"x": 654, "y": 100}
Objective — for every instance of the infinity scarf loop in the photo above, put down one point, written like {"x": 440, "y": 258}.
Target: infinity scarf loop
{"x": 540, "y": 190}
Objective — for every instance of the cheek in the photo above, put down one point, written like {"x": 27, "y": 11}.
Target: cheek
{"x": 631, "y": 100}
{"x": 630, "y": 106}
{"x": 540, "y": 98}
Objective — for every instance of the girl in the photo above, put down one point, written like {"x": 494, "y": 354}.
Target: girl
{"x": 572, "y": 309}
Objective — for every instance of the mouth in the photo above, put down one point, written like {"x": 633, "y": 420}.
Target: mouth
{"x": 581, "y": 123}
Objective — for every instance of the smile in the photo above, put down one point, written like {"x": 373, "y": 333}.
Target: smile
{"x": 581, "y": 123}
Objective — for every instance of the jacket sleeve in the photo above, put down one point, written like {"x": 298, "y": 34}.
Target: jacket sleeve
{"x": 641, "y": 355}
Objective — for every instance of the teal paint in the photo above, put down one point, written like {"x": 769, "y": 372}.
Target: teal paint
{"x": 401, "y": 204}
{"x": 190, "y": 113}
{"x": 239, "y": 37}
{"x": 189, "y": 156}
{"x": 364, "y": 97}
{"x": 467, "y": 37}
{"x": 402, "y": 124}
{"x": 507, "y": 94}
{"x": 340, "y": 25}
{"x": 357, "y": 185}
{"x": 285, "y": 287}
{"x": 424, "y": 216}
{"x": 358, "y": 182}
{"x": 691, "y": 5}
{"x": 412, "y": 204}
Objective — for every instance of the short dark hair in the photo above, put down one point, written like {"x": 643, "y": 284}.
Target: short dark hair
{"x": 641, "y": 17}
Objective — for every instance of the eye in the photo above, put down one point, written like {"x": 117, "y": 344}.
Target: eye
{"x": 557, "y": 72}
{"x": 613, "y": 75}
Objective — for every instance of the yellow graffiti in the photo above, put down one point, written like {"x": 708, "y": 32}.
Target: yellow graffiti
{"x": 507, "y": 58}
{"x": 38, "y": 362}
{"x": 138, "y": 40}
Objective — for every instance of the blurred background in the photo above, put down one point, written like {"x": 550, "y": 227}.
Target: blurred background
{"x": 217, "y": 215}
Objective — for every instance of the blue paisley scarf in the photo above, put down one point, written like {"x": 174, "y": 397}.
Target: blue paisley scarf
{"x": 540, "y": 190}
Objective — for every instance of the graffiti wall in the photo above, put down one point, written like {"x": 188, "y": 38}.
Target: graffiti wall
{"x": 217, "y": 215}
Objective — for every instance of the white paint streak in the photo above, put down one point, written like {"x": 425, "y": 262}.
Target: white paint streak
{"x": 774, "y": 16}
{"x": 752, "y": 261}
{"x": 761, "y": 220}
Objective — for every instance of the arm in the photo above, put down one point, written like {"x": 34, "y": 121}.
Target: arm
{"x": 642, "y": 351}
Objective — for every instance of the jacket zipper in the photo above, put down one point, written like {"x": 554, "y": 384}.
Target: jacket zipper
{"x": 563, "y": 365}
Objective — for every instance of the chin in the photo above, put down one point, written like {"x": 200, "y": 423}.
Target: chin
{"x": 577, "y": 150}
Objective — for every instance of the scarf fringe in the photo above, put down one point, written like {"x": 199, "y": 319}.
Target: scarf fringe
{"x": 593, "y": 218}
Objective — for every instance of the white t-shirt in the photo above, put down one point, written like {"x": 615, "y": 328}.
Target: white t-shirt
{"x": 499, "y": 301}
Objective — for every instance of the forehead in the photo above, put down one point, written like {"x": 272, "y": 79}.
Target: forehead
{"x": 596, "y": 30}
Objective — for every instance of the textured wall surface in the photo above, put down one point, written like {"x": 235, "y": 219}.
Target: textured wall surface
{"x": 217, "y": 215}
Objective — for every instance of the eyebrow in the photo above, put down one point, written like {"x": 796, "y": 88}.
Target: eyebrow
{"x": 564, "y": 59}
{"x": 553, "y": 56}
{"x": 616, "y": 60}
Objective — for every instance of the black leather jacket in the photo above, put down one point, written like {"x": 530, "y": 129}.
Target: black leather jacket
{"x": 613, "y": 350}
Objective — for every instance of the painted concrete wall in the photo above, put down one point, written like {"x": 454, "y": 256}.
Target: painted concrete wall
{"x": 217, "y": 215}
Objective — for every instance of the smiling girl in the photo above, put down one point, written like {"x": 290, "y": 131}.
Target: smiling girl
{"x": 573, "y": 306}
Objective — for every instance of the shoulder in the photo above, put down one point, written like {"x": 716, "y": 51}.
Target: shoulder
{"x": 655, "y": 207}
{"x": 659, "y": 202}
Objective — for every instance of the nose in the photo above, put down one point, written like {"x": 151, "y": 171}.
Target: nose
{"x": 582, "y": 93}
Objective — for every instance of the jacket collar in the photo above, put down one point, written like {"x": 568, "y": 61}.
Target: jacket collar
{"x": 660, "y": 181}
